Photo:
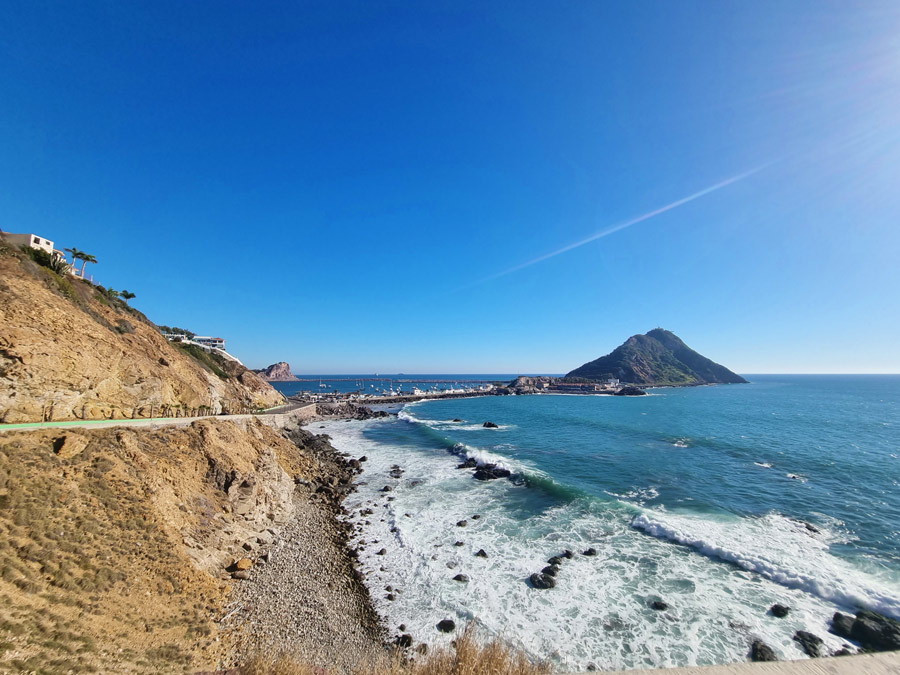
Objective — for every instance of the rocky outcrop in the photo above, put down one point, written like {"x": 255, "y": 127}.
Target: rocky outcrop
{"x": 347, "y": 410}
{"x": 278, "y": 372}
{"x": 630, "y": 391}
{"x": 69, "y": 351}
{"x": 760, "y": 651}
{"x": 871, "y": 630}
{"x": 659, "y": 358}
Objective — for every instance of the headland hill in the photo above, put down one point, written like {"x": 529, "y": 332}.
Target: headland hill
{"x": 658, "y": 358}
{"x": 153, "y": 519}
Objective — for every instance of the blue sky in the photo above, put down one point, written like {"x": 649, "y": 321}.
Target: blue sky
{"x": 340, "y": 184}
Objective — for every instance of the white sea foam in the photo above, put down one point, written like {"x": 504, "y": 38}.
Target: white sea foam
{"x": 598, "y": 613}
{"x": 765, "y": 465}
{"x": 781, "y": 550}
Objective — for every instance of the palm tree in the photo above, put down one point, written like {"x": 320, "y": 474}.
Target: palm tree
{"x": 76, "y": 254}
{"x": 126, "y": 296}
{"x": 87, "y": 258}
{"x": 112, "y": 292}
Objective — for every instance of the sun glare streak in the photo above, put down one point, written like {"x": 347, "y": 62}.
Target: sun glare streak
{"x": 621, "y": 226}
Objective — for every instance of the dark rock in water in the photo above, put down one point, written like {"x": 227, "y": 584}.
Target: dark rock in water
{"x": 590, "y": 552}
{"x": 404, "y": 641}
{"x": 456, "y": 419}
{"x": 382, "y": 552}
{"x": 476, "y": 517}
{"x": 386, "y": 488}
{"x": 491, "y": 472}
{"x": 555, "y": 560}
{"x": 363, "y": 459}
{"x": 590, "y": 667}
{"x": 490, "y": 425}
{"x": 458, "y": 543}
{"x": 842, "y": 624}
{"x": 567, "y": 554}
{"x": 540, "y": 580}
{"x": 402, "y": 627}
{"x": 390, "y": 596}
{"x": 809, "y": 643}
{"x": 461, "y": 577}
{"x": 779, "y": 610}
{"x": 630, "y": 391}
{"x": 446, "y": 625}
{"x": 876, "y": 632}
{"x": 468, "y": 464}
{"x": 481, "y": 553}
{"x": 462, "y": 523}
{"x": 550, "y": 570}
{"x": 659, "y": 605}
{"x": 760, "y": 651}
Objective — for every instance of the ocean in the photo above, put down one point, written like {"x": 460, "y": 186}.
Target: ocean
{"x": 717, "y": 501}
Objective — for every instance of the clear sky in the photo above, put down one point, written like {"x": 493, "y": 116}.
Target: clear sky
{"x": 362, "y": 186}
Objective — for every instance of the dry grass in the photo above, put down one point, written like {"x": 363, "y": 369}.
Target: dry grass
{"x": 466, "y": 656}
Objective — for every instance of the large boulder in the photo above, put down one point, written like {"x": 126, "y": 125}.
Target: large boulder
{"x": 760, "y": 651}
{"x": 491, "y": 472}
{"x": 541, "y": 580}
{"x": 490, "y": 425}
{"x": 809, "y": 643}
{"x": 876, "y": 632}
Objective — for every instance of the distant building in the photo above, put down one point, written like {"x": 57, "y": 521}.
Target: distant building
{"x": 613, "y": 382}
{"x": 214, "y": 342}
{"x": 31, "y": 240}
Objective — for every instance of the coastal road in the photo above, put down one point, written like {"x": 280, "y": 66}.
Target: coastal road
{"x": 887, "y": 663}
{"x": 153, "y": 423}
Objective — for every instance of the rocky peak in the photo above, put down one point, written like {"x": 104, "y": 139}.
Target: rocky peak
{"x": 278, "y": 372}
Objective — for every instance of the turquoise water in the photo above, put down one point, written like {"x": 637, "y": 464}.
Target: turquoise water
{"x": 718, "y": 500}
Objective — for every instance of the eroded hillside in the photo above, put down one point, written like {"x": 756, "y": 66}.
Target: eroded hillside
{"x": 68, "y": 351}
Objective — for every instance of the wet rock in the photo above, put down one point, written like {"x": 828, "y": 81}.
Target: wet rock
{"x": 842, "y": 652}
{"x": 490, "y": 425}
{"x": 567, "y": 554}
{"x": 382, "y": 552}
{"x": 842, "y": 624}
{"x": 490, "y": 472}
{"x": 386, "y": 488}
{"x": 555, "y": 560}
{"x": 476, "y": 517}
{"x": 760, "y": 651}
{"x": 404, "y": 641}
{"x": 630, "y": 391}
{"x": 446, "y": 625}
{"x": 659, "y": 605}
{"x": 461, "y": 523}
{"x": 402, "y": 627}
{"x": 809, "y": 643}
{"x": 779, "y": 611}
{"x": 541, "y": 580}
{"x": 456, "y": 419}
{"x": 481, "y": 553}
{"x": 590, "y": 667}
{"x": 550, "y": 570}
{"x": 875, "y": 631}
{"x": 469, "y": 463}
{"x": 590, "y": 552}
{"x": 462, "y": 578}
{"x": 390, "y": 596}
{"x": 458, "y": 543}
{"x": 363, "y": 459}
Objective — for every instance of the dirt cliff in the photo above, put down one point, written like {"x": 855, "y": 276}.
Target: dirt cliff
{"x": 69, "y": 351}
{"x": 114, "y": 543}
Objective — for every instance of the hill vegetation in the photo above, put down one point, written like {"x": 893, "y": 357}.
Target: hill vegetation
{"x": 658, "y": 358}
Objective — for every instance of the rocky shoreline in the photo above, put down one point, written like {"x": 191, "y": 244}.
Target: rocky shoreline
{"x": 300, "y": 595}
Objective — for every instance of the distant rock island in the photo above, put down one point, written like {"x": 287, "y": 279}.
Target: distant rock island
{"x": 659, "y": 358}
{"x": 278, "y": 372}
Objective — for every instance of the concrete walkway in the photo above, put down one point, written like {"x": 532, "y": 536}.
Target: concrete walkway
{"x": 887, "y": 663}
{"x": 272, "y": 414}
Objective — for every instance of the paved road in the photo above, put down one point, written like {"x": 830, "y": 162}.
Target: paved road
{"x": 155, "y": 422}
{"x": 865, "y": 664}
